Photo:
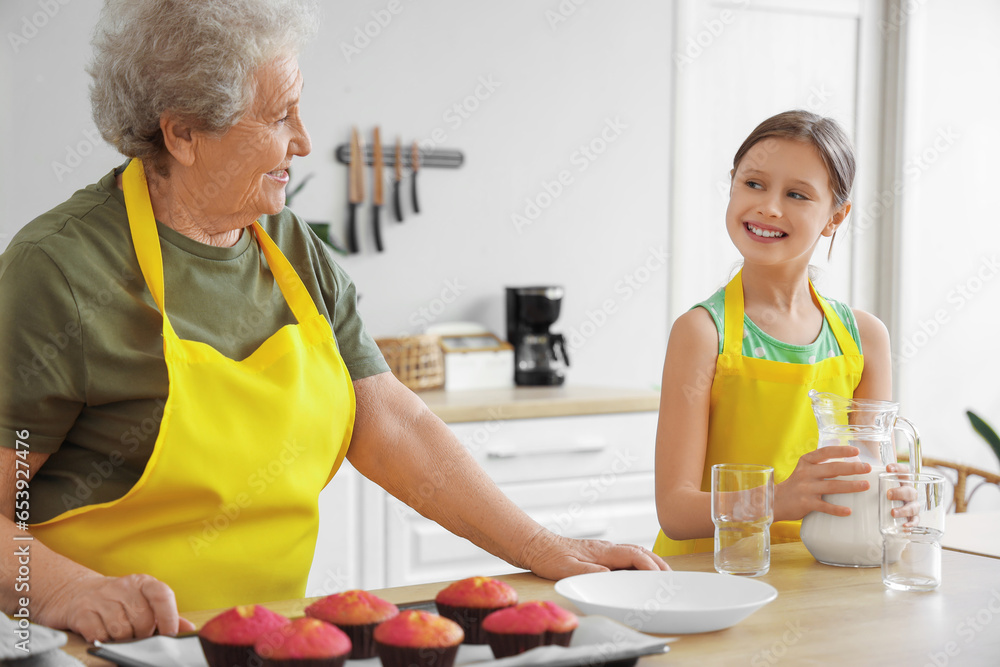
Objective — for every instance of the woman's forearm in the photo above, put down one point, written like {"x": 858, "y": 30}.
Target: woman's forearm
{"x": 403, "y": 447}
{"x": 34, "y": 576}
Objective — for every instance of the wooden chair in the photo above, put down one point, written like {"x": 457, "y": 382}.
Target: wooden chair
{"x": 960, "y": 480}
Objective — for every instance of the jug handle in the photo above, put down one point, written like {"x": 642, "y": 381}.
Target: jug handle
{"x": 913, "y": 436}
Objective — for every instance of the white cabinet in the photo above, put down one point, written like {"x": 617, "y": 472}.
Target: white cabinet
{"x": 580, "y": 476}
{"x": 585, "y": 476}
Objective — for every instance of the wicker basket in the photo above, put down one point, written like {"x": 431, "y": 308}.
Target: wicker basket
{"x": 417, "y": 361}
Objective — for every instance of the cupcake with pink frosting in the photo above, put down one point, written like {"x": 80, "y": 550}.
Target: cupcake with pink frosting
{"x": 514, "y": 630}
{"x": 357, "y": 613}
{"x": 305, "y": 642}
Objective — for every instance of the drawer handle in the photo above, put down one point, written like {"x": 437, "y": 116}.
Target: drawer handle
{"x": 511, "y": 451}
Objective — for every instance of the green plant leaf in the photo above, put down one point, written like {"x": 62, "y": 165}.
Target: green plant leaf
{"x": 986, "y": 431}
{"x": 289, "y": 195}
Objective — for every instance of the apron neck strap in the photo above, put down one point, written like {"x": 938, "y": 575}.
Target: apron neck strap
{"x": 142, "y": 224}
{"x": 734, "y": 309}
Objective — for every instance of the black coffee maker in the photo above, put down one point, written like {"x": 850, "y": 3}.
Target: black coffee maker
{"x": 539, "y": 356}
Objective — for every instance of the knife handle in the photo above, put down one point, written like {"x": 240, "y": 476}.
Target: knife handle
{"x": 413, "y": 191}
{"x": 397, "y": 206}
{"x": 352, "y": 228}
{"x": 377, "y": 226}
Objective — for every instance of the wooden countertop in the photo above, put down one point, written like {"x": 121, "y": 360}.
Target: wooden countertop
{"x": 534, "y": 402}
{"x": 823, "y": 616}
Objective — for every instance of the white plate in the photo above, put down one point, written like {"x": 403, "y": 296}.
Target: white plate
{"x": 667, "y": 602}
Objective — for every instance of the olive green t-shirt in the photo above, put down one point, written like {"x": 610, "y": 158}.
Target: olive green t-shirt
{"x": 81, "y": 347}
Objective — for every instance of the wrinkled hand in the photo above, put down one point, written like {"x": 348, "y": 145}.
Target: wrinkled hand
{"x": 103, "y": 608}
{"x": 803, "y": 491}
{"x": 552, "y": 556}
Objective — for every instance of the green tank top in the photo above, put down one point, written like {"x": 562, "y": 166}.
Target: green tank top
{"x": 758, "y": 344}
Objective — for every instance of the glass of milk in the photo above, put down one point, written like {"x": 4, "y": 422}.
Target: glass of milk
{"x": 871, "y": 426}
{"x": 911, "y": 520}
{"x": 742, "y": 511}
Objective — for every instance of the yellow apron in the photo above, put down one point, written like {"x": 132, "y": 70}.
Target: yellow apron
{"x": 760, "y": 410}
{"x": 225, "y": 512}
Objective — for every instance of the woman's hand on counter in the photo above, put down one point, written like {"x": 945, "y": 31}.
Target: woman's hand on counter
{"x": 554, "y": 557}
{"x": 111, "y": 608}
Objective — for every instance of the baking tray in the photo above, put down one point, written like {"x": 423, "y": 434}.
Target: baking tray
{"x": 597, "y": 641}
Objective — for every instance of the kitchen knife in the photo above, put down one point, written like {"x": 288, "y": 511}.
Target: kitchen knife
{"x": 415, "y": 165}
{"x": 397, "y": 207}
{"x": 355, "y": 190}
{"x": 378, "y": 196}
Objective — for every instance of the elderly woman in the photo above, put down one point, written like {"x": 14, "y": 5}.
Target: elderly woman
{"x": 178, "y": 346}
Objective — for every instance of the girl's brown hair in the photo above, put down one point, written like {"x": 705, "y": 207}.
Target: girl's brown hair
{"x": 825, "y": 134}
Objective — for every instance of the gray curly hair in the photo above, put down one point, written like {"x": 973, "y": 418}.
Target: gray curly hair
{"x": 196, "y": 58}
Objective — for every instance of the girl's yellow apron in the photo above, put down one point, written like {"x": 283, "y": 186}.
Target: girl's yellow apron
{"x": 760, "y": 410}
{"x": 225, "y": 512}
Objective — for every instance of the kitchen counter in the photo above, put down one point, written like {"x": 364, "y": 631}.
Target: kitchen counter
{"x": 823, "y": 616}
{"x": 534, "y": 402}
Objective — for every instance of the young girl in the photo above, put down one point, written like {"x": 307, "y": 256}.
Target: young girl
{"x": 739, "y": 365}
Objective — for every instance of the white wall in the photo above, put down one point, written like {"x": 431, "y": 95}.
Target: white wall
{"x": 950, "y": 244}
{"x": 557, "y": 85}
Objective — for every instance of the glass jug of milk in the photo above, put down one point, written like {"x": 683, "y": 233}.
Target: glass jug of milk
{"x": 869, "y": 425}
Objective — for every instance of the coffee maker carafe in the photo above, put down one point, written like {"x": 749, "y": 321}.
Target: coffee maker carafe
{"x": 539, "y": 355}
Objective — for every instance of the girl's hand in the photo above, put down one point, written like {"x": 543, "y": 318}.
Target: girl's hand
{"x": 906, "y": 494}
{"x": 802, "y": 492}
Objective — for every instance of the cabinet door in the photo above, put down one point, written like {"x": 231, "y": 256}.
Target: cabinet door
{"x": 337, "y": 563}
{"x": 738, "y": 63}
{"x": 613, "y": 505}
{"x": 521, "y": 450}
